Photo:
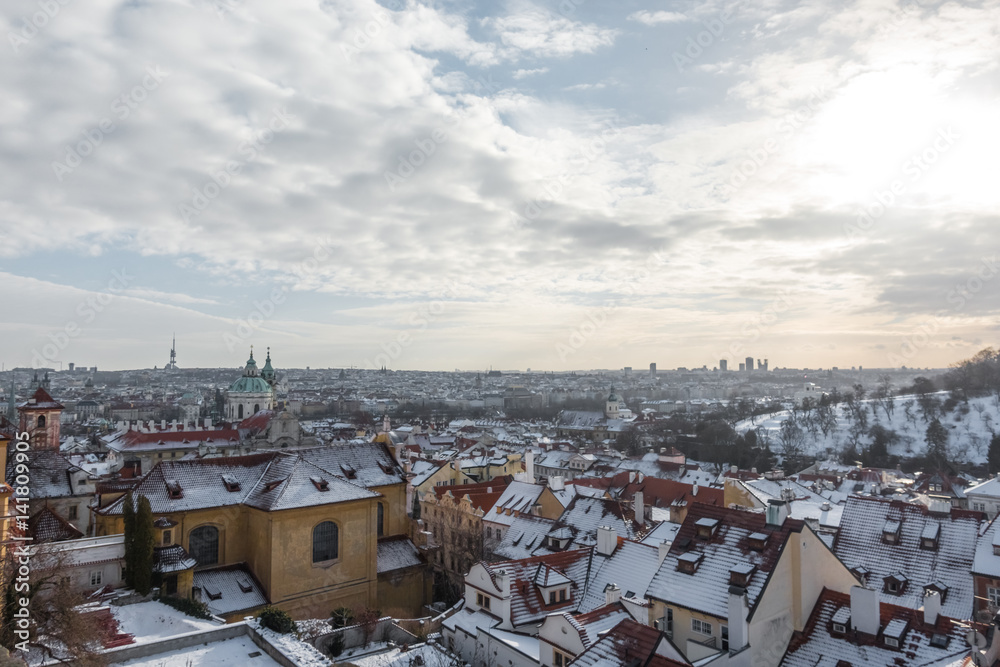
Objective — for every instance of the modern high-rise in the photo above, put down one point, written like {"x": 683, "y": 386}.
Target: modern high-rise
{"x": 749, "y": 363}
{"x": 723, "y": 365}
{"x": 652, "y": 370}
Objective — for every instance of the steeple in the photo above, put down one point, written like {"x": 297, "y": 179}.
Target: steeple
{"x": 268, "y": 371}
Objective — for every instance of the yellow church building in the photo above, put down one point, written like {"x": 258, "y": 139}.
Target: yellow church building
{"x": 316, "y": 529}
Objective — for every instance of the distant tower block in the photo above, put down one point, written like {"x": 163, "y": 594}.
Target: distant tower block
{"x": 749, "y": 364}
{"x": 743, "y": 366}
{"x": 652, "y": 370}
{"x": 723, "y": 365}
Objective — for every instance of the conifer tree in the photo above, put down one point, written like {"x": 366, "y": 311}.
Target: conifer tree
{"x": 142, "y": 547}
{"x": 128, "y": 514}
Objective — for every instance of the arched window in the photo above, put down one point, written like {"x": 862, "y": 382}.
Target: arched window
{"x": 203, "y": 545}
{"x": 241, "y": 412}
{"x": 256, "y": 408}
{"x": 325, "y": 542}
{"x": 41, "y": 421}
{"x": 380, "y": 523}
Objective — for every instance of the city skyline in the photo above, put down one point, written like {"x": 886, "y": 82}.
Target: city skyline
{"x": 525, "y": 184}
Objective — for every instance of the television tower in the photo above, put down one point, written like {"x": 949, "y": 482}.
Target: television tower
{"x": 172, "y": 366}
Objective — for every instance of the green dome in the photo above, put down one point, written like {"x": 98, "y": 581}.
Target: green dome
{"x": 250, "y": 385}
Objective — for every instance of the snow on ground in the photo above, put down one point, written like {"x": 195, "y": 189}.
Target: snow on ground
{"x": 298, "y": 651}
{"x": 970, "y": 428}
{"x": 234, "y": 652}
{"x": 150, "y": 621}
{"x": 433, "y": 656}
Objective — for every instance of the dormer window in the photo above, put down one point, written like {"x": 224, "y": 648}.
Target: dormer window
{"x": 740, "y": 574}
{"x": 757, "y": 541}
{"x": 929, "y": 536}
{"x": 935, "y": 488}
{"x": 320, "y": 483}
{"x": 861, "y": 573}
{"x": 840, "y": 620}
{"x": 231, "y": 483}
{"x": 895, "y": 583}
{"x": 705, "y": 528}
{"x": 174, "y": 490}
{"x": 937, "y": 587}
{"x": 893, "y": 634}
{"x": 890, "y": 532}
{"x": 689, "y": 562}
{"x": 349, "y": 471}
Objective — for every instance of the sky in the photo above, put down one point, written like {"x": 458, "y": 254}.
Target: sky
{"x": 514, "y": 184}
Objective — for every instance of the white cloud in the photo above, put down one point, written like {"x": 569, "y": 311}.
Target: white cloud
{"x": 524, "y": 73}
{"x": 656, "y": 17}
{"x": 528, "y": 28}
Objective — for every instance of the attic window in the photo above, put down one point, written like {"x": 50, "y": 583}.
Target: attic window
{"x": 272, "y": 485}
{"x": 232, "y": 484}
{"x": 890, "y": 532}
{"x": 349, "y": 472}
{"x": 939, "y": 641}
{"x": 929, "y": 536}
{"x": 937, "y": 587}
{"x": 320, "y": 483}
{"x": 688, "y": 563}
{"x": 174, "y": 490}
{"x": 894, "y": 584}
{"x": 894, "y": 631}
{"x": 757, "y": 541}
{"x": 386, "y": 468}
{"x": 212, "y": 591}
{"x": 706, "y": 528}
{"x": 839, "y": 620}
{"x": 245, "y": 585}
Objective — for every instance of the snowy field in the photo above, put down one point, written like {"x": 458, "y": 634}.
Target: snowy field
{"x": 150, "y": 621}
{"x": 234, "y": 652}
{"x": 970, "y": 428}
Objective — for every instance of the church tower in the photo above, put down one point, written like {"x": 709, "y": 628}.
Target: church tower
{"x": 39, "y": 417}
{"x": 251, "y": 393}
{"x": 613, "y": 405}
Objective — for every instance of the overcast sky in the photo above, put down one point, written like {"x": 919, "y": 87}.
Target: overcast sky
{"x": 553, "y": 185}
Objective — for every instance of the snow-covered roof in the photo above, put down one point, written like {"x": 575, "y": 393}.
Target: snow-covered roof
{"x": 860, "y": 543}
{"x": 397, "y": 553}
{"x": 229, "y": 589}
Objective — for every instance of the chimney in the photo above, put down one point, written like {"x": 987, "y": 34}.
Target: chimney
{"x": 734, "y": 469}
{"x": 864, "y": 610}
{"x": 612, "y": 594}
{"x": 663, "y": 548}
{"x": 607, "y": 540}
{"x": 739, "y": 630}
{"x": 639, "y": 477}
{"x": 557, "y": 483}
{"x": 173, "y": 425}
{"x": 503, "y": 582}
{"x": 932, "y": 607}
{"x": 163, "y": 424}
{"x": 640, "y": 509}
{"x": 694, "y": 489}
{"x": 529, "y": 465}
{"x": 777, "y": 512}
{"x": 631, "y": 477}
{"x": 208, "y": 423}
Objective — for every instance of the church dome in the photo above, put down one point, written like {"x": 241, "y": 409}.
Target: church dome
{"x": 250, "y": 385}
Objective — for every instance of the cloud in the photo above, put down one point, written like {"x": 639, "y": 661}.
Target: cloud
{"x": 530, "y": 29}
{"x": 524, "y": 73}
{"x": 656, "y": 17}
